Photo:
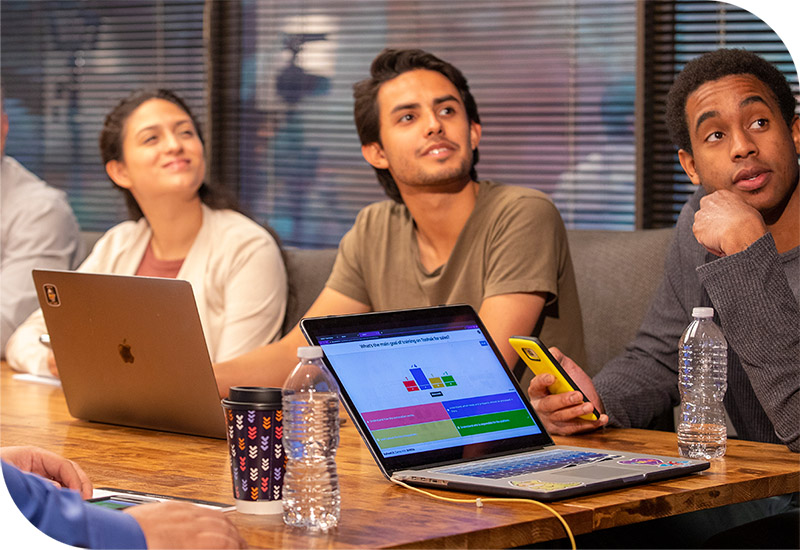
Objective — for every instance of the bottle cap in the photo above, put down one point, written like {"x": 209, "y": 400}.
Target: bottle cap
{"x": 309, "y": 352}
{"x": 703, "y": 312}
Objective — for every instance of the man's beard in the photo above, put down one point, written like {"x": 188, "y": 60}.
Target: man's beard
{"x": 772, "y": 215}
{"x": 457, "y": 175}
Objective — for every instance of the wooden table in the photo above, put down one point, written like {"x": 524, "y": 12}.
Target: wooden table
{"x": 376, "y": 513}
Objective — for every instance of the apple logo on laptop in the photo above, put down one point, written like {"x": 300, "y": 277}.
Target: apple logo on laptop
{"x": 125, "y": 351}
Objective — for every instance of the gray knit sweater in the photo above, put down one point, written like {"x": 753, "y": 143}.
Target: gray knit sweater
{"x": 755, "y": 297}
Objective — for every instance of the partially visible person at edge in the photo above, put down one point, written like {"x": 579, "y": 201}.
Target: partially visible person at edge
{"x": 180, "y": 227}
{"x": 444, "y": 237}
{"x": 50, "y": 490}
{"x": 37, "y": 230}
{"x": 732, "y": 116}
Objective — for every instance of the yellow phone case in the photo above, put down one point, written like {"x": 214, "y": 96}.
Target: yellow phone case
{"x": 539, "y": 360}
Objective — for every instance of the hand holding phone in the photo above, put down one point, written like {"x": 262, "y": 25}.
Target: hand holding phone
{"x": 540, "y": 361}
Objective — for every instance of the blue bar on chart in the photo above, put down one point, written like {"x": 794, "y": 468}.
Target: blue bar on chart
{"x": 422, "y": 381}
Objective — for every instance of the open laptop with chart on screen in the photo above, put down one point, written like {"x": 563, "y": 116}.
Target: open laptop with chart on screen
{"x": 436, "y": 405}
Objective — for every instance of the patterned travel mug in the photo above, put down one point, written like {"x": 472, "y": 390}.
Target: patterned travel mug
{"x": 255, "y": 446}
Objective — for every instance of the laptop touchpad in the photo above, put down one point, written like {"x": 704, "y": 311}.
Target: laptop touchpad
{"x": 593, "y": 472}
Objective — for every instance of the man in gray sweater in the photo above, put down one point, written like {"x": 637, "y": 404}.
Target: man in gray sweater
{"x": 736, "y": 249}
{"x": 732, "y": 116}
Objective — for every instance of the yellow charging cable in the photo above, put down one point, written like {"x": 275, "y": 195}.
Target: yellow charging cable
{"x": 479, "y": 503}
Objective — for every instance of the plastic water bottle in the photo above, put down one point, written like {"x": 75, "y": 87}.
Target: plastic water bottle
{"x": 311, "y": 497}
{"x": 702, "y": 375}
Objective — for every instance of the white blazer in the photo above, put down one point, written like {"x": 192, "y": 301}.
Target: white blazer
{"x": 236, "y": 272}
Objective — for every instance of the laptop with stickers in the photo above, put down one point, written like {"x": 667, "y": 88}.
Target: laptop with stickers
{"x": 131, "y": 351}
{"x": 436, "y": 405}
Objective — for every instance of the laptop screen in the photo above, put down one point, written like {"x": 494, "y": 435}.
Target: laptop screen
{"x": 425, "y": 383}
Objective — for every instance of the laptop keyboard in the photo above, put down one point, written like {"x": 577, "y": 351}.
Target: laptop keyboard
{"x": 514, "y": 466}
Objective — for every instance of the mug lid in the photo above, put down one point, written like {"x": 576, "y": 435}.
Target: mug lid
{"x": 253, "y": 395}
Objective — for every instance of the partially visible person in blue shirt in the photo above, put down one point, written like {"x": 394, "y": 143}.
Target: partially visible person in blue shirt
{"x": 49, "y": 491}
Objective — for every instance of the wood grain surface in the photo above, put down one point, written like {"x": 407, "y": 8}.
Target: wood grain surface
{"x": 375, "y": 512}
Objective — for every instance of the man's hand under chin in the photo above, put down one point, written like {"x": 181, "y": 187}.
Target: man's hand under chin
{"x": 725, "y": 224}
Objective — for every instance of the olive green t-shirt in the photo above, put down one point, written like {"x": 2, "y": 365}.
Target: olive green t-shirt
{"x": 514, "y": 241}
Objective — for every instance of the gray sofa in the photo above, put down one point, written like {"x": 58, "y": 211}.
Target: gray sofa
{"x": 616, "y": 273}
{"x": 306, "y": 271}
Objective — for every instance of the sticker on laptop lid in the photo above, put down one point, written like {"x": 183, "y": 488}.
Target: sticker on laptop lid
{"x": 642, "y": 461}
{"x": 668, "y": 463}
{"x": 645, "y": 461}
{"x": 547, "y": 486}
{"x": 51, "y": 295}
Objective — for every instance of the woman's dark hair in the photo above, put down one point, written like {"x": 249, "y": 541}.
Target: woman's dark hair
{"x": 112, "y": 136}
{"x": 388, "y": 65}
{"x": 713, "y": 66}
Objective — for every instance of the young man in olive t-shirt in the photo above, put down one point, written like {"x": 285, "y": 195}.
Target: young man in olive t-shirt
{"x": 444, "y": 237}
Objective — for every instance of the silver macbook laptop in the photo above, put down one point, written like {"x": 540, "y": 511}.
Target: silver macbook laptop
{"x": 437, "y": 406}
{"x": 131, "y": 351}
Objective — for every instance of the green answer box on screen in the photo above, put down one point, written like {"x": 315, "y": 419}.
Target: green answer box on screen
{"x": 484, "y": 423}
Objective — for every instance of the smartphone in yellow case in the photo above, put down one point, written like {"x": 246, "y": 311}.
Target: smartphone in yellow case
{"x": 540, "y": 361}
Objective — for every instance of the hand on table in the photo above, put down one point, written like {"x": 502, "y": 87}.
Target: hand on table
{"x": 560, "y": 412}
{"x": 59, "y": 470}
{"x": 184, "y": 525}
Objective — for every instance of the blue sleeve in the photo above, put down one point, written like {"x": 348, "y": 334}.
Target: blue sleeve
{"x": 63, "y": 514}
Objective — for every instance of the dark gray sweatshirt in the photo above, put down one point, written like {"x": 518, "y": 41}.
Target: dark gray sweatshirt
{"x": 755, "y": 296}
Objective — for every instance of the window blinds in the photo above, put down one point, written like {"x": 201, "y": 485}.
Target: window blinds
{"x": 554, "y": 82}
{"x": 65, "y": 64}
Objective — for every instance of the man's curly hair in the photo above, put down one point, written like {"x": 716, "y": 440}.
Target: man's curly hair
{"x": 713, "y": 66}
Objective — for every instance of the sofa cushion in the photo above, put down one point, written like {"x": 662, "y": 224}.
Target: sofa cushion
{"x": 306, "y": 271}
{"x": 617, "y": 273}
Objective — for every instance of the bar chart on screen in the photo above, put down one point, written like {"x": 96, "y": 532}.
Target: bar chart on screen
{"x": 419, "y": 381}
